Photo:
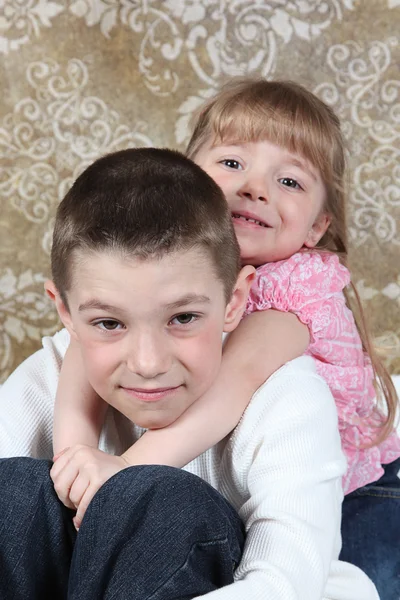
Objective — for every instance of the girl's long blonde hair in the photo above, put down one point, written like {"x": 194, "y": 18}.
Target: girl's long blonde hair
{"x": 288, "y": 115}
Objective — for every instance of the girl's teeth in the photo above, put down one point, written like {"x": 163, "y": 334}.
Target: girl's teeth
{"x": 249, "y": 220}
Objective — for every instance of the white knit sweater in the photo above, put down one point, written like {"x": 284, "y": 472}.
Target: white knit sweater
{"x": 281, "y": 469}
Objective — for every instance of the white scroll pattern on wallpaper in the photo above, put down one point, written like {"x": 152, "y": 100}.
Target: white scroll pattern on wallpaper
{"x": 51, "y": 136}
{"x": 368, "y": 104}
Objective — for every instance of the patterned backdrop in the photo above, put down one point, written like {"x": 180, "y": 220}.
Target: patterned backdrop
{"x": 80, "y": 78}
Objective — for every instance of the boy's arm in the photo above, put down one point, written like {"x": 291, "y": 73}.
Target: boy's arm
{"x": 78, "y": 411}
{"x": 262, "y": 343}
{"x": 288, "y": 457}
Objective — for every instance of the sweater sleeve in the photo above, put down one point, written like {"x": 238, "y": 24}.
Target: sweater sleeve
{"x": 27, "y": 402}
{"x": 288, "y": 449}
{"x": 310, "y": 285}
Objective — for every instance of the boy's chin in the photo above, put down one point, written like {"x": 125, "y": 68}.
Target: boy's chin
{"x": 156, "y": 422}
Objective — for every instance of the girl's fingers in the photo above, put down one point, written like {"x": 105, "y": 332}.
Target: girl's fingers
{"x": 84, "y": 503}
{"x": 76, "y": 523}
{"x": 57, "y": 456}
{"x": 78, "y": 490}
{"x": 60, "y": 462}
{"x": 63, "y": 482}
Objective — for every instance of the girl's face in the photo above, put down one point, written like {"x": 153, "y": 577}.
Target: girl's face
{"x": 276, "y": 198}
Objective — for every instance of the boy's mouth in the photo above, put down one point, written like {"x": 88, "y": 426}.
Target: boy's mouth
{"x": 249, "y": 218}
{"x": 152, "y": 394}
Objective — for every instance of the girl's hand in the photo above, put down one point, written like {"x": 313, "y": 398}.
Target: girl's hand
{"x": 78, "y": 472}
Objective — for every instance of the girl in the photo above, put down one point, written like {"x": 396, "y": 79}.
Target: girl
{"x": 277, "y": 152}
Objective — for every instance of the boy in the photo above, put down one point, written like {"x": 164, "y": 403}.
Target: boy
{"x": 146, "y": 278}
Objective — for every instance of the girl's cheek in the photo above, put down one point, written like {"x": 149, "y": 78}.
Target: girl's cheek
{"x": 227, "y": 190}
{"x": 222, "y": 178}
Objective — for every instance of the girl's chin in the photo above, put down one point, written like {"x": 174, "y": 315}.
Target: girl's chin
{"x": 248, "y": 258}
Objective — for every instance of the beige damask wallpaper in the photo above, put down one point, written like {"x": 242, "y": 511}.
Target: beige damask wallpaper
{"x": 80, "y": 78}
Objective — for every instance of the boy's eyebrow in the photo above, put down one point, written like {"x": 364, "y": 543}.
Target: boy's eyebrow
{"x": 90, "y": 304}
{"x": 188, "y": 299}
{"x": 183, "y": 301}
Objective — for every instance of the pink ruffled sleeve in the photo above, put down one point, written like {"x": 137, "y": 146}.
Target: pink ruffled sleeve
{"x": 310, "y": 285}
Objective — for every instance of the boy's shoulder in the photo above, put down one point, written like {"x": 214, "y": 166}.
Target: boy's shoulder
{"x": 298, "y": 376}
{"x": 27, "y": 401}
{"x": 294, "y": 394}
{"x": 45, "y": 364}
{"x": 37, "y": 376}
{"x": 57, "y": 344}
{"x": 288, "y": 435}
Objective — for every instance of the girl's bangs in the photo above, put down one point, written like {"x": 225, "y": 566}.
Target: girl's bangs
{"x": 299, "y": 133}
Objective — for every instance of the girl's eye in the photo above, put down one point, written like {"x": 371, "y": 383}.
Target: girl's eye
{"x": 231, "y": 163}
{"x": 289, "y": 182}
{"x": 108, "y": 325}
{"x": 184, "y": 319}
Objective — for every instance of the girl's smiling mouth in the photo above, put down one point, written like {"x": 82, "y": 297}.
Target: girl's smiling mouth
{"x": 249, "y": 219}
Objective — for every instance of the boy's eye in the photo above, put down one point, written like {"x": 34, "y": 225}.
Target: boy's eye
{"x": 184, "y": 319}
{"x": 108, "y": 324}
{"x": 289, "y": 182}
{"x": 231, "y": 163}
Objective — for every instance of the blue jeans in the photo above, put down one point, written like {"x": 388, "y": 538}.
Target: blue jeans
{"x": 150, "y": 533}
{"x": 371, "y": 531}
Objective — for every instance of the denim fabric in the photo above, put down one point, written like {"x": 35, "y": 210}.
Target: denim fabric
{"x": 36, "y": 533}
{"x": 371, "y": 531}
{"x": 150, "y": 533}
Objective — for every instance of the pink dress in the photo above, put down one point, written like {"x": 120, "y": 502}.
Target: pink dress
{"x": 310, "y": 285}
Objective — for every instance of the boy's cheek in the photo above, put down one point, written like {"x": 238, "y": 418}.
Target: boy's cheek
{"x": 100, "y": 361}
{"x": 204, "y": 354}
{"x": 93, "y": 342}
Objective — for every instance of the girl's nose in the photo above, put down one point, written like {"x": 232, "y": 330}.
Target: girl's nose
{"x": 253, "y": 196}
{"x": 254, "y": 190}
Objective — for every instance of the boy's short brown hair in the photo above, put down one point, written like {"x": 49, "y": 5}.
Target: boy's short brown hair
{"x": 144, "y": 202}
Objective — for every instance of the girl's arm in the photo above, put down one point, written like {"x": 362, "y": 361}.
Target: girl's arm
{"x": 262, "y": 343}
{"x": 78, "y": 411}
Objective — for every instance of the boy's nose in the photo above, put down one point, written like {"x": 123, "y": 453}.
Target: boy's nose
{"x": 148, "y": 357}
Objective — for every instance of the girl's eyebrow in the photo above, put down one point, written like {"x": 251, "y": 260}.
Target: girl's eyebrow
{"x": 228, "y": 144}
{"x": 302, "y": 165}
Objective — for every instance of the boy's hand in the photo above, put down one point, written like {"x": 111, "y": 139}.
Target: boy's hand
{"x": 78, "y": 472}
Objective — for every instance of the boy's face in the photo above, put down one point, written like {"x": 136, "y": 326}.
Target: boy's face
{"x": 276, "y": 198}
{"x": 150, "y": 331}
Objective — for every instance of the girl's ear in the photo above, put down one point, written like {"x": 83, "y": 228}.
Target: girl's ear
{"x": 62, "y": 310}
{"x": 237, "y": 303}
{"x": 318, "y": 230}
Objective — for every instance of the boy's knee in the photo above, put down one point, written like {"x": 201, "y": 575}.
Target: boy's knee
{"x": 151, "y": 481}
{"x": 155, "y": 488}
{"x": 164, "y": 492}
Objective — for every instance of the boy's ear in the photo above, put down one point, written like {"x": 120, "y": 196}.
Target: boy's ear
{"x": 237, "y": 303}
{"x": 318, "y": 230}
{"x": 62, "y": 310}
